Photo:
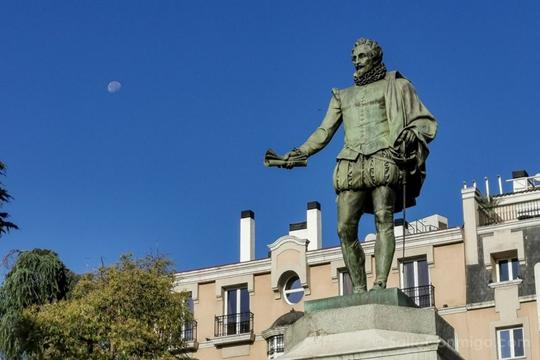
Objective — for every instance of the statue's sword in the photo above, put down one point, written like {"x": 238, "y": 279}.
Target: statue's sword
{"x": 404, "y": 173}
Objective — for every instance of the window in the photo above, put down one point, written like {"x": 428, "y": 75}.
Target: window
{"x": 345, "y": 283}
{"x": 415, "y": 281}
{"x": 275, "y": 346}
{"x": 237, "y": 319}
{"x": 507, "y": 269}
{"x": 510, "y": 343}
{"x": 293, "y": 291}
{"x": 189, "y": 303}
{"x": 414, "y": 273}
{"x": 189, "y": 328}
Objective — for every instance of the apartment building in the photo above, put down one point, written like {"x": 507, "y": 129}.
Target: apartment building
{"x": 480, "y": 277}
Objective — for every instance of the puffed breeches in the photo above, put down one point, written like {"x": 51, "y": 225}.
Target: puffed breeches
{"x": 367, "y": 172}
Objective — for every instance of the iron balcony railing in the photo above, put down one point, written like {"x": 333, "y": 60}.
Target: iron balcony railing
{"x": 189, "y": 331}
{"x": 491, "y": 214}
{"x": 423, "y": 296}
{"x": 233, "y": 324}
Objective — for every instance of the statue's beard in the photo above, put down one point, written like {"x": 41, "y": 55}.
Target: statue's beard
{"x": 378, "y": 72}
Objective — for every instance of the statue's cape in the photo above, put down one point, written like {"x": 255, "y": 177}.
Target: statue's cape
{"x": 405, "y": 111}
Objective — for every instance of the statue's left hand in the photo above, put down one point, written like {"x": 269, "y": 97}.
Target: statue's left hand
{"x": 407, "y": 137}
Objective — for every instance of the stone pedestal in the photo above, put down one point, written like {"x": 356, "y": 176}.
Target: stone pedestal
{"x": 379, "y": 325}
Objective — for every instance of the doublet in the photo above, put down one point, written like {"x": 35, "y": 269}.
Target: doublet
{"x": 367, "y": 135}
{"x": 364, "y": 118}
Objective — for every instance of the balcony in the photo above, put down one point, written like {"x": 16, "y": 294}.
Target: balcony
{"x": 189, "y": 336}
{"x": 423, "y": 296}
{"x": 189, "y": 331}
{"x": 496, "y": 213}
{"x": 233, "y": 328}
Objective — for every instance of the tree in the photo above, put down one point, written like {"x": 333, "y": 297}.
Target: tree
{"x": 125, "y": 311}
{"x": 5, "y": 225}
{"x": 38, "y": 277}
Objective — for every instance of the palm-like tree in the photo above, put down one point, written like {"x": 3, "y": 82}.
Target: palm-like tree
{"x": 5, "y": 225}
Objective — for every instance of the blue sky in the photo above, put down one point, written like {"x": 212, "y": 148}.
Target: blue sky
{"x": 167, "y": 163}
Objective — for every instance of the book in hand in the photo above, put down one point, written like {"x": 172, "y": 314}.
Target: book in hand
{"x": 294, "y": 160}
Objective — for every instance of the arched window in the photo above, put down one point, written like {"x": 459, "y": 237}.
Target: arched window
{"x": 293, "y": 291}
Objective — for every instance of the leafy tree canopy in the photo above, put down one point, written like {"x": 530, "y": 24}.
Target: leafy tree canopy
{"x": 37, "y": 277}
{"x": 125, "y": 311}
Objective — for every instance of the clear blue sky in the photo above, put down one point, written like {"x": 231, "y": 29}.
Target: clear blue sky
{"x": 167, "y": 163}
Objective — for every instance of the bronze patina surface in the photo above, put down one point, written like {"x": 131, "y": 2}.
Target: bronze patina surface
{"x": 392, "y": 296}
{"x": 387, "y": 130}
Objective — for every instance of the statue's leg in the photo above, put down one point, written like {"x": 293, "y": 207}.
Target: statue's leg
{"x": 349, "y": 206}
{"x": 385, "y": 244}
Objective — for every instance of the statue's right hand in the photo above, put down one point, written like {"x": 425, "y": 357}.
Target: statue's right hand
{"x": 294, "y": 153}
{"x": 294, "y": 158}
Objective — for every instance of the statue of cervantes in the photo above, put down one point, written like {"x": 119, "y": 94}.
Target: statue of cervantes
{"x": 387, "y": 130}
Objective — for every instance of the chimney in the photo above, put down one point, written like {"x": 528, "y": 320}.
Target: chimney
{"x": 470, "y": 198}
{"x": 299, "y": 230}
{"x": 247, "y": 235}
{"x": 520, "y": 180}
{"x": 314, "y": 225}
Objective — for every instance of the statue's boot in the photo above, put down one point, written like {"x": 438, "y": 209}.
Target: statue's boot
{"x": 354, "y": 258}
{"x": 384, "y": 245}
{"x": 379, "y": 284}
{"x": 350, "y": 205}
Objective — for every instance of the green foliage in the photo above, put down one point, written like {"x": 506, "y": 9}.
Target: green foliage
{"x": 14, "y": 331}
{"x": 37, "y": 277}
{"x": 5, "y": 225}
{"x": 126, "y": 311}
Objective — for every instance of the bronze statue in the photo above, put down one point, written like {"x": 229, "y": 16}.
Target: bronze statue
{"x": 387, "y": 129}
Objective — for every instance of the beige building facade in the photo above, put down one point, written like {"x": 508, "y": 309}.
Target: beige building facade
{"x": 480, "y": 277}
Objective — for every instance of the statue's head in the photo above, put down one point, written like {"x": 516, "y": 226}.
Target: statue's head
{"x": 366, "y": 54}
